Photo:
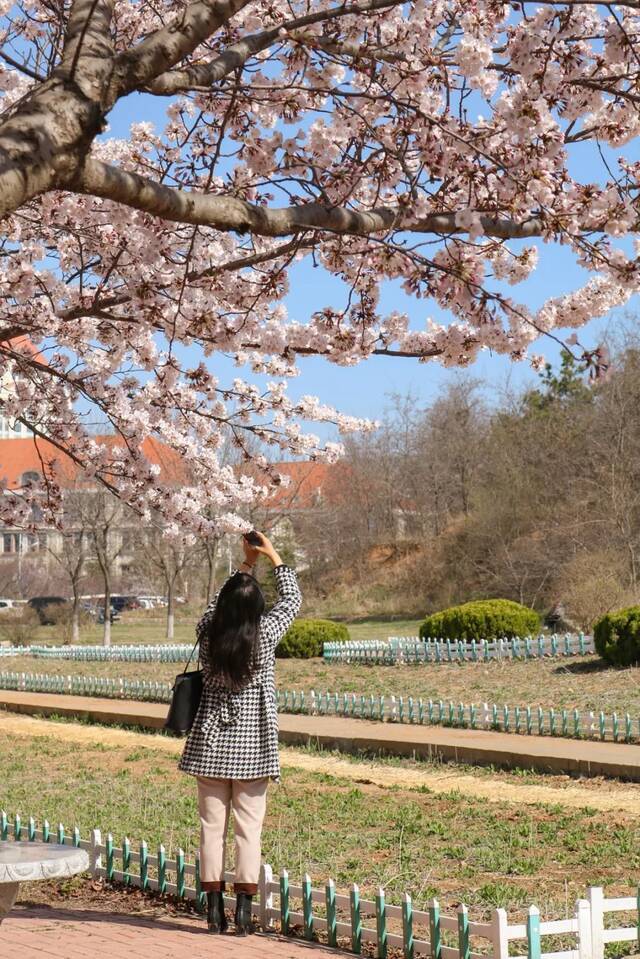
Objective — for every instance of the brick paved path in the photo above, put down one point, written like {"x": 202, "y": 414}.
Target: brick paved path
{"x": 34, "y": 932}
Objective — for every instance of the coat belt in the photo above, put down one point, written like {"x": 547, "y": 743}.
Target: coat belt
{"x": 224, "y": 708}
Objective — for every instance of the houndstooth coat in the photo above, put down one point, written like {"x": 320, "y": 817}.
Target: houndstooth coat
{"x": 235, "y": 735}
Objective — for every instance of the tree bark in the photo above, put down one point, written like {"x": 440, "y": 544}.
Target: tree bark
{"x": 229, "y": 213}
{"x": 75, "y": 614}
{"x": 170, "y": 607}
{"x": 102, "y": 555}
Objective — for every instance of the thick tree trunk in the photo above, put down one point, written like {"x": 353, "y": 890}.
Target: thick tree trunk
{"x": 44, "y": 142}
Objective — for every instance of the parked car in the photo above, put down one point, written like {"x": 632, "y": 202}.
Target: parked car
{"x": 151, "y": 602}
{"x": 41, "y": 604}
{"x": 120, "y": 603}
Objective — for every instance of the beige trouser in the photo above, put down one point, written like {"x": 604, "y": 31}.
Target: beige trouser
{"x": 248, "y": 800}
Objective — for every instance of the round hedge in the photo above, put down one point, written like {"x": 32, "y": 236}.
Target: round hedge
{"x": 481, "y": 619}
{"x": 617, "y": 637}
{"x": 304, "y": 639}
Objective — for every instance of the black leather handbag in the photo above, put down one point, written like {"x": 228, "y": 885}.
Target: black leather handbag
{"x": 185, "y": 699}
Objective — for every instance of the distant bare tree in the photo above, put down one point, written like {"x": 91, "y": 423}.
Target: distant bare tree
{"x": 72, "y": 550}
{"x": 168, "y": 558}
{"x": 104, "y": 518}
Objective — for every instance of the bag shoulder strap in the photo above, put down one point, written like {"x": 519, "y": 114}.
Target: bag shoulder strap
{"x": 191, "y": 655}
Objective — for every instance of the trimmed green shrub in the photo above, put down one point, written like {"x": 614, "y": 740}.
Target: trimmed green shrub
{"x": 617, "y": 637}
{"x": 305, "y": 638}
{"x": 481, "y": 619}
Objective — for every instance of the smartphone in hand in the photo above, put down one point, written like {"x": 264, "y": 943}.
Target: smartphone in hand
{"x": 253, "y": 538}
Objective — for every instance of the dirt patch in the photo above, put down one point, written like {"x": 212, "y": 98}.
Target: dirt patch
{"x": 99, "y": 896}
{"x": 498, "y": 788}
{"x": 446, "y": 780}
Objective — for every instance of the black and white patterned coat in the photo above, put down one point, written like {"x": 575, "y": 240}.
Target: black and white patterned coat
{"x": 235, "y": 735}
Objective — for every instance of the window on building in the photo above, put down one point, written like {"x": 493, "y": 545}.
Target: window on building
{"x": 11, "y": 542}
{"x": 31, "y": 476}
{"x": 128, "y": 540}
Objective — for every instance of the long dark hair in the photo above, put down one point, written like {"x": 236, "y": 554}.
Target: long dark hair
{"x": 234, "y": 631}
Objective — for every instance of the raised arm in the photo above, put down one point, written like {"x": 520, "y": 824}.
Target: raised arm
{"x": 277, "y": 621}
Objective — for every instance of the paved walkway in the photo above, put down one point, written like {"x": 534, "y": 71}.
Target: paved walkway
{"x": 543, "y": 753}
{"x": 32, "y": 932}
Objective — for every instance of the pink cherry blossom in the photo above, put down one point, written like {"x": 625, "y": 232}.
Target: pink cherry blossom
{"x": 418, "y": 143}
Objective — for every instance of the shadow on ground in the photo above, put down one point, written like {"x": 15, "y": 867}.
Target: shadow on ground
{"x": 584, "y": 667}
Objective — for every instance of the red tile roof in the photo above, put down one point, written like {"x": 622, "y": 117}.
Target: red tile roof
{"x": 25, "y": 455}
{"x": 23, "y": 344}
{"x": 309, "y": 485}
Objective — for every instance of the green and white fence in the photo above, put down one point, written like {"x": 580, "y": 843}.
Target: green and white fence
{"x": 526, "y": 720}
{"x": 156, "y": 692}
{"x": 347, "y": 920}
{"x": 160, "y": 653}
{"x": 412, "y": 649}
{"x": 396, "y": 649}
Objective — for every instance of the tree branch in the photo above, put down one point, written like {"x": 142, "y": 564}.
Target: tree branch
{"x": 236, "y": 55}
{"x": 88, "y": 50}
{"x": 21, "y": 67}
{"x": 230, "y": 214}
{"x": 163, "y": 49}
{"x": 603, "y": 88}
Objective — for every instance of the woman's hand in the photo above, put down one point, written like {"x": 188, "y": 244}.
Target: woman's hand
{"x": 266, "y": 548}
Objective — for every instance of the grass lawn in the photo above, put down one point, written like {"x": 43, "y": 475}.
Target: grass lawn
{"x": 141, "y": 629}
{"x": 564, "y": 683}
{"x": 150, "y": 627}
{"x": 455, "y": 847}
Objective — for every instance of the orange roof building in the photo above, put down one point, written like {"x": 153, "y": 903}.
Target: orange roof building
{"x": 25, "y": 458}
{"x": 310, "y": 485}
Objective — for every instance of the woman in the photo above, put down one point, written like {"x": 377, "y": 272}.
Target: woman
{"x": 232, "y": 748}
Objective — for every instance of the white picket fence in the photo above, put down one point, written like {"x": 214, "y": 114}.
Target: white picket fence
{"x": 341, "y": 917}
{"x": 412, "y": 649}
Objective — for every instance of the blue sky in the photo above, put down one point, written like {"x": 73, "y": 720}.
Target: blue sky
{"x": 364, "y": 390}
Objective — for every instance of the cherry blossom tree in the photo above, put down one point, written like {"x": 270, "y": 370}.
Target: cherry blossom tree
{"x": 428, "y": 143}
